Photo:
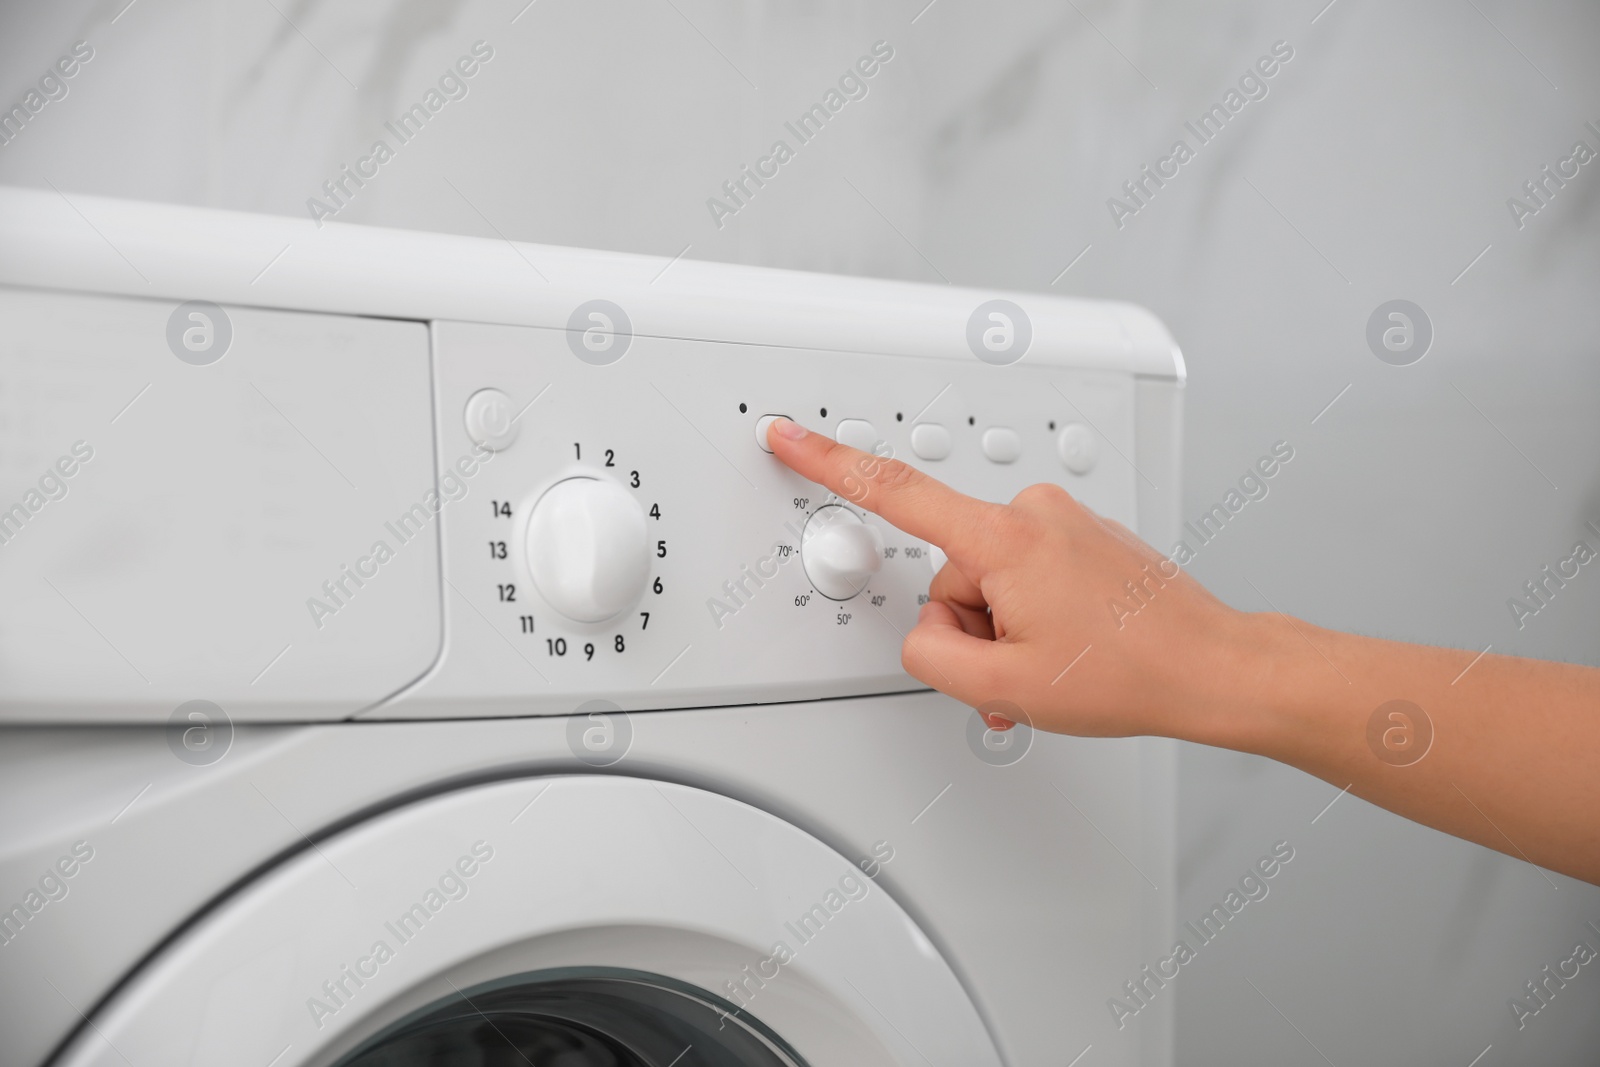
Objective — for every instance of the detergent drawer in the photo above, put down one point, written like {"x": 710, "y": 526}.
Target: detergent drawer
{"x": 196, "y": 504}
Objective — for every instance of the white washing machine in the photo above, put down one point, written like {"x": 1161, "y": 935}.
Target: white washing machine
{"x": 409, "y": 654}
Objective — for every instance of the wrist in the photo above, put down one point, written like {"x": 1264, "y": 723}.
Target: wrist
{"x": 1260, "y": 671}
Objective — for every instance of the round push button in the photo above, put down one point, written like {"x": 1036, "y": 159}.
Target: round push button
{"x": 929, "y": 440}
{"x": 761, "y": 430}
{"x": 1001, "y": 444}
{"x": 491, "y": 420}
{"x": 857, "y": 433}
{"x": 1077, "y": 448}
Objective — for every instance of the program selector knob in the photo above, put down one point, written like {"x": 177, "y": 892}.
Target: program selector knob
{"x": 839, "y": 552}
{"x": 588, "y": 548}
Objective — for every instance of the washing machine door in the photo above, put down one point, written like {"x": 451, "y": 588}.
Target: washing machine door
{"x": 583, "y": 920}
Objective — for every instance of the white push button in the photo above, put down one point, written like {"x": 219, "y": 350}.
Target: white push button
{"x": 929, "y": 440}
{"x": 1002, "y": 444}
{"x": 761, "y": 430}
{"x": 491, "y": 420}
{"x": 1077, "y": 448}
{"x": 936, "y": 557}
{"x": 857, "y": 433}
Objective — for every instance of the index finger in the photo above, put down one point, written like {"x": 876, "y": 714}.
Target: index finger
{"x": 920, "y": 505}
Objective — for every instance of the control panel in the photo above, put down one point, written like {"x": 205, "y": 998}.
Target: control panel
{"x": 619, "y": 531}
{"x": 389, "y": 478}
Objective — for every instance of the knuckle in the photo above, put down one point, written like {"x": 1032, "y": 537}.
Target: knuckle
{"x": 1044, "y": 495}
{"x": 1009, "y": 524}
{"x": 891, "y": 475}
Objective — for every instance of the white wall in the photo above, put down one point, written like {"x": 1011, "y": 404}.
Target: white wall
{"x": 1378, "y": 167}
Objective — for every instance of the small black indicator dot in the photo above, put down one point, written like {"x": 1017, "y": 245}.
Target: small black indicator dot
{"x": 899, "y": 416}
{"x": 1052, "y": 424}
{"x": 824, "y": 412}
{"x": 971, "y": 421}
{"x": 743, "y": 409}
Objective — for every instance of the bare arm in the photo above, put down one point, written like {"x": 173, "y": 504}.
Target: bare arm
{"x": 1048, "y": 613}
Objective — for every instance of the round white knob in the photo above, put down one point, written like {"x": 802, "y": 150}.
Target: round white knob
{"x": 587, "y": 548}
{"x": 840, "y": 553}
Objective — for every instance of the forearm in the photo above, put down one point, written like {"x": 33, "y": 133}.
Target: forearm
{"x": 1513, "y": 761}
{"x": 1079, "y": 627}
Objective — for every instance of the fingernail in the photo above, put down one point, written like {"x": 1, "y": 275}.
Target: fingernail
{"x": 788, "y": 428}
{"x": 997, "y": 723}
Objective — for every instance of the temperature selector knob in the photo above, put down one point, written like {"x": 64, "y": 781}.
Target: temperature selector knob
{"x": 840, "y": 552}
{"x": 587, "y": 548}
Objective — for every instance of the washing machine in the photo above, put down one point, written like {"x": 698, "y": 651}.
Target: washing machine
{"x": 410, "y": 654}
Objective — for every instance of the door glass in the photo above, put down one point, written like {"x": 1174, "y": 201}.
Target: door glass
{"x": 585, "y": 1017}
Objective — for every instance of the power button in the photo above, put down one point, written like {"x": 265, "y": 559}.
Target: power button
{"x": 491, "y": 420}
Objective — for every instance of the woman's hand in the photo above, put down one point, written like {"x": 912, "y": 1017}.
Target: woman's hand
{"x": 1048, "y": 614}
{"x": 1044, "y": 610}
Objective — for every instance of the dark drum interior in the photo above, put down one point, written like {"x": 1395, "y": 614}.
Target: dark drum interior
{"x": 578, "y": 1018}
